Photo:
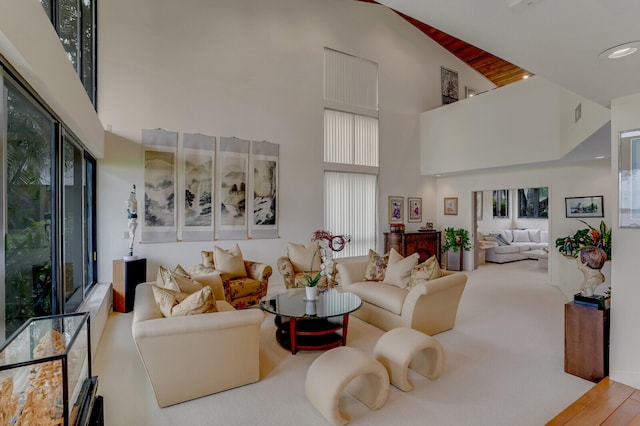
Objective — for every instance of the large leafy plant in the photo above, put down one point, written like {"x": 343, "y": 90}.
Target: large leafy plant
{"x": 454, "y": 238}
{"x": 599, "y": 237}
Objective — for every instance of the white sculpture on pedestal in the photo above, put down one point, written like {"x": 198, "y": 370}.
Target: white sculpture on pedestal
{"x": 132, "y": 215}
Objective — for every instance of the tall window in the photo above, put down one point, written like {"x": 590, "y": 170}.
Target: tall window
{"x": 533, "y": 203}
{"x": 501, "y": 203}
{"x": 75, "y": 23}
{"x": 351, "y": 150}
{"x": 47, "y": 225}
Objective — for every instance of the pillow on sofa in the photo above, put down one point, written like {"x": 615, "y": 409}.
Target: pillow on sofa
{"x": 501, "y": 240}
{"x": 508, "y": 235}
{"x": 230, "y": 261}
{"x": 544, "y": 236}
{"x": 164, "y": 274}
{"x": 398, "y": 271}
{"x": 534, "y": 235}
{"x": 426, "y": 271}
{"x": 175, "y": 303}
{"x": 376, "y": 266}
{"x": 182, "y": 284}
{"x": 305, "y": 257}
{"x": 207, "y": 259}
{"x": 521, "y": 236}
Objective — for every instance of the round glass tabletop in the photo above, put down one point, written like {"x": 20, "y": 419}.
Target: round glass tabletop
{"x": 291, "y": 303}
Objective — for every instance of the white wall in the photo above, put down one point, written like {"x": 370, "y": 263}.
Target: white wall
{"x": 524, "y": 123}
{"x": 254, "y": 69}
{"x": 568, "y": 180}
{"x": 625, "y": 286}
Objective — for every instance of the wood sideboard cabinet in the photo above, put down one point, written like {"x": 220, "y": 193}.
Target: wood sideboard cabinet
{"x": 126, "y": 276}
{"x": 586, "y": 341}
{"x": 426, "y": 244}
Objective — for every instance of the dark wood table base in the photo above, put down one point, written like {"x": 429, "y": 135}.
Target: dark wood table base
{"x": 311, "y": 334}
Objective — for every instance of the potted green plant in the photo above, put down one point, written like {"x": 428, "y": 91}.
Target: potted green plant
{"x": 454, "y": 239}
{"x": 570, "y": 246}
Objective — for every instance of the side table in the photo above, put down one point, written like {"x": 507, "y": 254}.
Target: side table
{"x": 586, "y": 341}
{"x": 126, "y": 276}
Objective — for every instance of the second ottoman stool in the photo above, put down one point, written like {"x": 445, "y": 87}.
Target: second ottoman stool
{"x": 403, "y": 348}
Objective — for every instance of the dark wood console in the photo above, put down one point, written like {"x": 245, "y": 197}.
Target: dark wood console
{"x": 426, "y": 244}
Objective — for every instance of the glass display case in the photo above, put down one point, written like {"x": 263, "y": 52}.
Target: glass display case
{"x": 44, "y": 367}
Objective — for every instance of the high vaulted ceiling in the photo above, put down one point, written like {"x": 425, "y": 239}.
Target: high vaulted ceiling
{"x": 557, "y": 40}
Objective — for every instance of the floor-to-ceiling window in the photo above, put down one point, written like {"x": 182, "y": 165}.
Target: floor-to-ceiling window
{"x": 47, "y": 211}
{"x": 28, "y": 174}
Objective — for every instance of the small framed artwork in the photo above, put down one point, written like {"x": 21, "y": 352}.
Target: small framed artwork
{"x": 451, "y": 205}
{"x": 584, "y": 206}
{"x": 448, "y": 85}
{"x": 415, "y": 209}
{"x": 469, "y": 91}
{"x": 629, "y": 178}
{"x": 395, "y": 209}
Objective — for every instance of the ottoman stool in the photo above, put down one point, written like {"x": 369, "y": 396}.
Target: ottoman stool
{"x": 403, "y": 348}
{"x": 345, "y": 368}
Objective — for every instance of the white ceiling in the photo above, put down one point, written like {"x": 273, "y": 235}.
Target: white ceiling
{"x": 559, "y": 40}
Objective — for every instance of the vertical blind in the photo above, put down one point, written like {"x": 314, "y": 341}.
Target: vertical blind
{"x": 350, "y": 208}
{"x": 351, "y": 145}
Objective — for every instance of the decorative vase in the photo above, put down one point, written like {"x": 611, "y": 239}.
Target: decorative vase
{"x": 310, "y": 307}
{"x": 312, "y": 293}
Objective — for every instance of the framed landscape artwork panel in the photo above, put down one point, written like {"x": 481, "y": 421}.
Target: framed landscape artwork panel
{"x": 415, "y": 209}
{"x": 395, "y": 209}
{"x": 160, "y": 168}
{"x": 451, "y": 205}
{"x": 198, "y": 183}
{"x": 584, "y": 206}
{"x": 449, "y": 85}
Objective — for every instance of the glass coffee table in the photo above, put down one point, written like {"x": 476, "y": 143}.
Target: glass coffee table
{"x": 311, "y": 324}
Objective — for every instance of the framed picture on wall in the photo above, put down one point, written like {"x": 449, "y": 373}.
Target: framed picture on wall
{"x": 395, "y": 209}
{"x": 584, "y": 206}
{"x": 448, "y": 85}
{"x": 415, "y": 209}
{"x": 451, "y": 205}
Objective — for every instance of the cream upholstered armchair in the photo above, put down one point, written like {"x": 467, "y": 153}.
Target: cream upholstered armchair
{"x": 302, "y": 261}
{"x": 244, "y": 282}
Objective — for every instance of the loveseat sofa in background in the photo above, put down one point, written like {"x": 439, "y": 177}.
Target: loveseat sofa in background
{"x": 429, "y": 306}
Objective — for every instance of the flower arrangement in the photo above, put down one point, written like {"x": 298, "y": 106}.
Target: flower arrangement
{"x": 601, "y": 237}
{"x": 326, "y": 267}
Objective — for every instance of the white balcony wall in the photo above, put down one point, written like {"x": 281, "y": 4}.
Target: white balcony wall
{"x": 529, "y": 122}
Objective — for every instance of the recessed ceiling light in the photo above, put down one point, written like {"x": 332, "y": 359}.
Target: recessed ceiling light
{"x": 621, "y": 50}
{"x": 600, "y": 157}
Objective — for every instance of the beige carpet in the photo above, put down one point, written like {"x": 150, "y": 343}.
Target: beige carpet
{"x": 504, "y": 366}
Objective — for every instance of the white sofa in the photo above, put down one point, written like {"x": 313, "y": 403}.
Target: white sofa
{"x": 187, "y": 357}
{"x": 518, "y": 244}
{"x": 430, "y": 306}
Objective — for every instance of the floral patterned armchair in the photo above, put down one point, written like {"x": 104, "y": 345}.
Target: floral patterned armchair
{"x": 294, "y": 269}
{"x": 240, "y": 291}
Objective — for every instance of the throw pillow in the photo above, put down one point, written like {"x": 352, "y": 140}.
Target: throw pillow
{"x": 305, "y": 257}
{"x": 426, "y": 271}
{"x": 163, "y": 278}
{"x": 544, "y": 236}
{"x": 376, "y": 266}
{"x": 508, "y": 235}
{"x": 520, "y": 236}
{"x": 534, "y": 235}
{"x": 501, "y": 241}
{"x": 182, "y": 284}
{"x": 166, "y": 299}
{"x": 175, "y": 303}
{"x": 200, "y": 302}
{"x": 207, "y": 259}
{"x": 398, "y": 272}
{"x": 230, "y": 261}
